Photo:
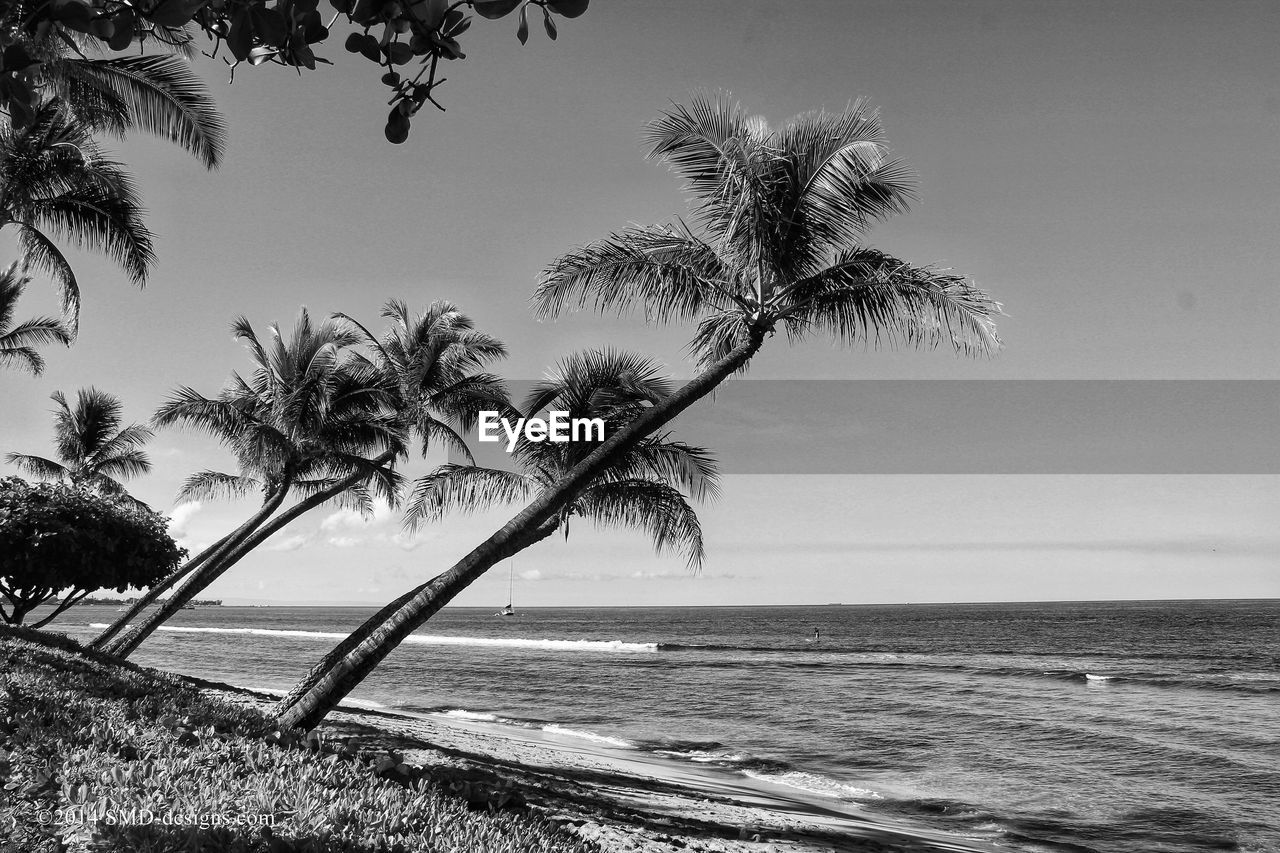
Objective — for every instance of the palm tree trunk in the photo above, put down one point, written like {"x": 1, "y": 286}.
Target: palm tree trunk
{"x": 238, "y": 550}
{"x": 518, "y": 533}
{"x": 125, "y": 644}
{"x": 157, "y": 590}
{"x": 338, "y": 652}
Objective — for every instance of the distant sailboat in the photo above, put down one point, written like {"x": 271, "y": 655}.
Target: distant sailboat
{"x": 510, "y": 609}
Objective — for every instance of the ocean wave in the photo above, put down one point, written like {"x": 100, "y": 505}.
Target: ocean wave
{"x": 462, "y": 714}
{"x": 552, "y": 728}
{"x": 701, "y": 756}
{"x": 546, "y": 645}
{"x": 432, "y": 639}
{"x": 813, "y": 783}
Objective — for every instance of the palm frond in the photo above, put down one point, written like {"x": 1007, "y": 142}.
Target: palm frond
{"x": 157, "y": 94}
{"x": 463, "y": 488}
{"x": 40, "y": 252}
{"x": 656, "y": 509}
{"x": 216, "y": 485}
{"x": 38, "y": 466}
{"x": 666, "y": 272}
{"x": 872, "y": 297}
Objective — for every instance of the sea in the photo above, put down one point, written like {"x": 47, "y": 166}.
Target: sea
{"x": 1115, "y": 727}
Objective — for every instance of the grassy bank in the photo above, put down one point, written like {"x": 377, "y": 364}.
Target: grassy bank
{"x": 100, "y": 756}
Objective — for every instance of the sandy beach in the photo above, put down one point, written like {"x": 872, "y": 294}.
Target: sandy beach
{"x": 622, "y": 799}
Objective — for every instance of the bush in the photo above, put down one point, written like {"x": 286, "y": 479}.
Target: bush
{"x": 62, "y": 539}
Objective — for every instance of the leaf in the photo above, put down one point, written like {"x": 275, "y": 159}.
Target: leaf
{"x": 399, "y": 53}
{"x": 240, "y": 36}
{"x": 568, "y": 8}
{"x": 522, "y": 32}
{"x": 123, "y": 35}
{"x": 354, "y": 42}
{"x": 397, "y": 129}
{"x": 549, "y": 24}
{"x": 430, "y": 12}
{"x": 494, "y": 9}
{"x": 175, "y": 13}
{"x": 370, "y": 50}
{"x": 269, "y": 25}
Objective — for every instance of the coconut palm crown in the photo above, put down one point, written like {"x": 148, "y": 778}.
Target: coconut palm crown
{"x": 298, "y": 421}
{"x": 781, "y": 219}
{"x": 430, "y": 367}
{"x": 642, "y": 489}
{"x": 92, "y": 448}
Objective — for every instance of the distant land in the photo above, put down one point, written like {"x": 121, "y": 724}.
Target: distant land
{"x": 197, "y": 602}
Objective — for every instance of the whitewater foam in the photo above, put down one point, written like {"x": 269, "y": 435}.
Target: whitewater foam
{"x": 814, "y": 784}
{"x": 521, "y": 643}
{"x": 432, "y": 639}
{"x": 460, "y": 714}
{"x": 552, "y": 728}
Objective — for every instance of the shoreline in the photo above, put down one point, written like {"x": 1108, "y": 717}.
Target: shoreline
{"x": 623, "y": 799}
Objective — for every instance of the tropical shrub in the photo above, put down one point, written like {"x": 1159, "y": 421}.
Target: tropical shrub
{"x": 63, "y": 539}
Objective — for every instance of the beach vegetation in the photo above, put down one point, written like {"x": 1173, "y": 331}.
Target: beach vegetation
{"x": 58, "y": 539}
{"x": 19, "y": 342}
{"x": 780, "y": 218}
{"x": 92, "y": 448}
{"x": 121, "y": 758}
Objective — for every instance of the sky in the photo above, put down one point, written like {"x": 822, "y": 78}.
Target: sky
{"x": 1107, "y": 171}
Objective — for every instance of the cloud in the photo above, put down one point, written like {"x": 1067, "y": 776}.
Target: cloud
{"x": 343, "y": 519}
{"x": 180, "y": 515}
{"x": 289, "y": 543}
{"x": 345, "y": 541}
{"x": 350, "y": 519}
{"x": 531, "y": 575}
{"x": 412, "y": 541}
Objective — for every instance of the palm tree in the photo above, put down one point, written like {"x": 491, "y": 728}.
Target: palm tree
{"x": 641, "y": 489}
{"x": 298, "y": 423}
{"x": 426, "y": 368}
{"x": 431, "y": 366}
{"x": 780, "y": 221}
{"x": 18, "y": 343}
{"x": 92, "y": 449}
{"x": 55, "y": 182}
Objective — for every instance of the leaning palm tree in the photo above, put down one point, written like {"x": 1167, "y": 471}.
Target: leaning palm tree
{"x": 93, "y": 450}
{"x": 780, "y": 219}
{"x": 56, "y": 183}
{"x": 18, "y": 343}
{"x": 641, "y": 489}
{"x": 298, "y": 423}
{"x": 427, "y": 368}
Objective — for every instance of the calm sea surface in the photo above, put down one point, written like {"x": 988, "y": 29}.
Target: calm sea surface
{"x": 1122, "y": 727}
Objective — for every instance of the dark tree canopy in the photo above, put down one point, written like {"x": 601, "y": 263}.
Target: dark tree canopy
{"x": 63, "y": 539}
{"x": 407, "y": 38}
